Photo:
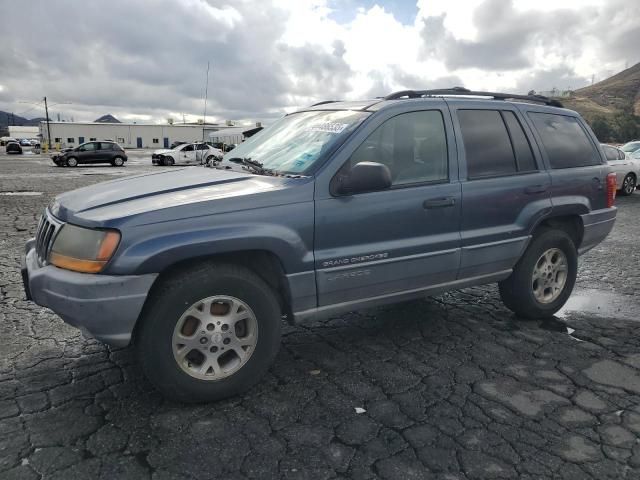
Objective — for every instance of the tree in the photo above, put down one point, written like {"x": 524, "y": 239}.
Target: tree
{"x": 602, "y": 129}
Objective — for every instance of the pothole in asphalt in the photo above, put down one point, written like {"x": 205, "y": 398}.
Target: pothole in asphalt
{"x": 601, "y": 304}
{"x": 21, "y": 193}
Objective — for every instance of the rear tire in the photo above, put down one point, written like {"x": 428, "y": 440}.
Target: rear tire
{"x": 72, "y": 162}
{"x": 539, "y": 285}
{"x": 628, "y": 185}
{"x": 171, "y": 307}
{"x": 117, "y": 162}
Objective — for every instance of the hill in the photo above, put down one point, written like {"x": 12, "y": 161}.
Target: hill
{"x": 108, "y": 118}
{"x": 612, "y": 106}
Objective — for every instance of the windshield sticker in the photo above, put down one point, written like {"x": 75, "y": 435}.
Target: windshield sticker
{"x": 329, "y": 127}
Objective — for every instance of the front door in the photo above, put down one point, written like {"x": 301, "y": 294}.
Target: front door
{"x": 505, "y": 188}
{"x": 139, "y": 142}
{"x": 187, "y": 155}
{"x": 406, "y": 238}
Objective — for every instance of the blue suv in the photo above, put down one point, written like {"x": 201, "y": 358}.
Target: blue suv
{"x": 337, "y": 207}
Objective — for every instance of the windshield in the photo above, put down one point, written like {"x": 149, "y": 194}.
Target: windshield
{"x": 630, "y": 147}
{"x": 294, "y": 143}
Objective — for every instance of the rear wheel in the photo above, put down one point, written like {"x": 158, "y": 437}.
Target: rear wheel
{"x": 168, "y": 161}
{"x": 628, "y": 184}
{"x": 117, "y": 162}
{"x": 72, "y": 162}
{"x": 209, "y": 333}
{"x": 543, "y": 278}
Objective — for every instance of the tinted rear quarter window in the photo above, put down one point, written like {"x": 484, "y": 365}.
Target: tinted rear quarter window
{"x": 521, "y": 145}
{"x": 486, "y": 143}
{"x": 565, "y": 141}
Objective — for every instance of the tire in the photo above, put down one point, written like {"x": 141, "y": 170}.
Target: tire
{"x": 532, "y": 299}
{"x": 72, "y": 162}
{"x": 160, "y": 327}
{"x": 117, "y": 162}
{"x": 628, "y": 185}
{"x": 168, "y": 161}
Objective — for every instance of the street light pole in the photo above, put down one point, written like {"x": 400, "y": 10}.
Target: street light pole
{"x": 46, "y": 112}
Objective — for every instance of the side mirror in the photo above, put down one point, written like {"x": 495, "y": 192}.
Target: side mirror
{"x": 366, "y": 177}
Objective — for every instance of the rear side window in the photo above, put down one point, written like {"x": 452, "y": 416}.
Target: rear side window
{"x": 106, "y": 146}
{"x": 565, "y": 141}
{"x": 486, "y": 143}
{"x": 521, "y": 145}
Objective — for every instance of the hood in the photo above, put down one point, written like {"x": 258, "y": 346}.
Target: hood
{"x": 161, "y": 192}
{"x": 161, "y": 151}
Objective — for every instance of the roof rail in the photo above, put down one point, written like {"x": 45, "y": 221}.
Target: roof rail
{"x": 324, "y": 102}
{"x": 460, "y": 91}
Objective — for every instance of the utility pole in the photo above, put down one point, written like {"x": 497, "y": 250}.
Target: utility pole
{"x": 46, "y": 112}
{"x": 204, "y": 116}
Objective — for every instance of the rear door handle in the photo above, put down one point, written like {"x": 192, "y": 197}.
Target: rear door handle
{"x": 439, "y": 202}
{"x": 535, "y": 189}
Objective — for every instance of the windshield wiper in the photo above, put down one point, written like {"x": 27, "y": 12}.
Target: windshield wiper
{"x": 252, "y": 165}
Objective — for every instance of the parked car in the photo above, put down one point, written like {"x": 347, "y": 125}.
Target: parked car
{"x": 186, "y": 154}
{"x": 91, "y": 152}
{"x": 333, "y": 208}
{"x": 13, "y": 147}
{"x": 24, "y": 142}
{"x": 5, "y": 140}
{"x": 34, "y": 142}
{"x": 625, "y": 167}
{"x": 631, "y": 147}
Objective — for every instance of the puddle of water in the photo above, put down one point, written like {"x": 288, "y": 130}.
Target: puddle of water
{"x": 20, "y": 194}
{"x": 601, "y": 304}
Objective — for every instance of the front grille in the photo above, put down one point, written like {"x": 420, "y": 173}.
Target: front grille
{"x": 48, "y": 228}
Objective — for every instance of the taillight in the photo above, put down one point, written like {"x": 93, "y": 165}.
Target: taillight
{"x": 611, "y": 189}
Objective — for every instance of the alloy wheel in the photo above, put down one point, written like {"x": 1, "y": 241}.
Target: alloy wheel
{"x": 549, "y": 275}
{"x": 215, "y": 337}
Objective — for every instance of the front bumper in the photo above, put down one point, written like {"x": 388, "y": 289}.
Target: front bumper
{"x": 102, "y": 306}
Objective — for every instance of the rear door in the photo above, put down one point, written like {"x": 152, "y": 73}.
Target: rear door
{"x": 505, "y": 189}
{"x": 402, "y": 239}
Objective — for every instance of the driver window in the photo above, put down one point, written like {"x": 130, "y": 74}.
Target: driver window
{"x": 413, "y": 146}
{"x": 88, "y": 147}
{"x": 188, "y": 148}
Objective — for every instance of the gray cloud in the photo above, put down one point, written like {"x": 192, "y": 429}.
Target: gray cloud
{"x": 151, "y": 56}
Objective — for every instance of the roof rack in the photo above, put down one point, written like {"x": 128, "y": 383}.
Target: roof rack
{"x": 460, "y": 91}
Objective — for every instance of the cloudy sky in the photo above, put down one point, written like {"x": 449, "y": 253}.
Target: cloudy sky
{"x": 145, "y": 60}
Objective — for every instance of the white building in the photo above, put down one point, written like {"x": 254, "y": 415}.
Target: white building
{"x": 132, "y": 135}
{"x": 16, "y": 131}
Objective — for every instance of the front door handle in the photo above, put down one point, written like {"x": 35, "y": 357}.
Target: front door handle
{"x": 535, "y": 189}
{"x": 439, "y": 202}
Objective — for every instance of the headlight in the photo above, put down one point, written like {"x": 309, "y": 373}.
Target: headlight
{"x": 83, "y": 249}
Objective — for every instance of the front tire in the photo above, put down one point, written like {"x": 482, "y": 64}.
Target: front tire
{"x": 628, "y": 185}
{"x": 209, "y": 332}
{"x": 543, "y": 279}
{"x": 72, "y": 162}
{"x": 168, "y": 161}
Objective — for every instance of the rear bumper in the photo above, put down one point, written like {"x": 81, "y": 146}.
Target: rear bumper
{"x": 597, "y": 225}
{"x": 101, "y": 306}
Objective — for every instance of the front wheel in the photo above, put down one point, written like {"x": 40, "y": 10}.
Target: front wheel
{"x": 168, "y": 161}
{"x": 72, "y": 162}
{"x": 209, "y": 332}
{"x": 628, "y": 185}
{"x": 543, "y": 279}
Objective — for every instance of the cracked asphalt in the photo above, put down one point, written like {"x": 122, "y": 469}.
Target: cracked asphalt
{"x": 452, "y": 387}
